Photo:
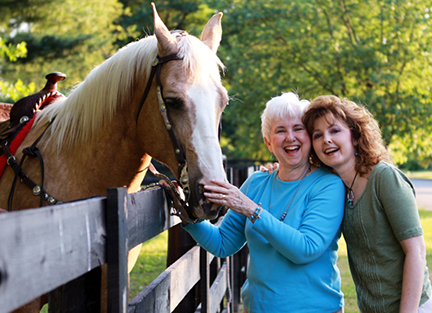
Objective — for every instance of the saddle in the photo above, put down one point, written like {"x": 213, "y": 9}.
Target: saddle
{"x": 14, "y": 117}
{"x": 13, "y": 131}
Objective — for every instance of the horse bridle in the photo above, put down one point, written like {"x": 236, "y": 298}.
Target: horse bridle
{"x": 178, "y": 150}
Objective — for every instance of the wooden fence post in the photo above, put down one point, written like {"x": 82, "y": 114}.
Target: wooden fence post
{"x": 204, "y": 281}
{"x": 117, "y": 250}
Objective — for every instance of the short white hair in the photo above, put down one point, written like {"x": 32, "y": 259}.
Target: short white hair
{"x": 286, "y": 105}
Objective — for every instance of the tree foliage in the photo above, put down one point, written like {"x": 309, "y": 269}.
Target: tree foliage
{"x": 137, "y": 19}
{"x": 69, "y": 36}
{"x": 375, "y": 52}
{"x": 8, "y": 91}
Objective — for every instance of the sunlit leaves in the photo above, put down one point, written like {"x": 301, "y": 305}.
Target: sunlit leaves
{"x": 377, "y": 53}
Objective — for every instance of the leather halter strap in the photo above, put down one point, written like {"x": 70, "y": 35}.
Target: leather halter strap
{"x": 156, "y": 69}
{"x": 179, "y": 152}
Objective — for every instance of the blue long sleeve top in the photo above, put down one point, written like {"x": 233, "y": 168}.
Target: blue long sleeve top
{"x": 292, "y": 266}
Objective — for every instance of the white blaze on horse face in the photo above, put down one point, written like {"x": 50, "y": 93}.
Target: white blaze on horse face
{"x": 205, "y": 133}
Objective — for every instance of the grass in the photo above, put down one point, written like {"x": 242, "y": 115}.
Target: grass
{"x": 151, "y": 262}
{"x": 424, "y": 174}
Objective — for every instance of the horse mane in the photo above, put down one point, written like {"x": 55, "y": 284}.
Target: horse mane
{"x": 93, "y": 103}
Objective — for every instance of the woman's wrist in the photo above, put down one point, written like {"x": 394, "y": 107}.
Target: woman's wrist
{"x": 256, "y": 213}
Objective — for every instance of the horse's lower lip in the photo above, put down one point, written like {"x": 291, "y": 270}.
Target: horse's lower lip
{"x": 215, "y": 213}
{"x": 209, "y": 210}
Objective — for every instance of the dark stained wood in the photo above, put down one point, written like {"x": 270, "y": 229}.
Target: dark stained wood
{"x": 70, "y": 240}
{"x": 148, "y": 216}
{"x": 117, "y": 250}
{"x": 80, "y": 295}
{"x": 165, "y": 292}
{"x": 44, "y": 248}
{"x": 218, "y": 289}
{"x": 205, "y": 281}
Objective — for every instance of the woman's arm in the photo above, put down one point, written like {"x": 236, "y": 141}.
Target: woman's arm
{"x": 321, "y": 219}
{"x": 413, "y": 274}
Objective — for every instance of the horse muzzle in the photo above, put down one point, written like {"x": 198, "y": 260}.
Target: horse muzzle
{"x": 203, "y": 208}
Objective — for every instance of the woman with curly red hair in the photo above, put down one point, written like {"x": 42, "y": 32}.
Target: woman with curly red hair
{"x": 386, "y": 248}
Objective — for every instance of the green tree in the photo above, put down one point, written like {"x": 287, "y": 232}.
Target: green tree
{"x": 10, "y": 92}
{"x": 375, "y": 52}
{"x": 70, "y": 36}
{"x": 137, "y": 18}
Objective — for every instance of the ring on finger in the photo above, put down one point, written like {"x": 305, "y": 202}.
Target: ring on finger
{"x": 223, "y": 197}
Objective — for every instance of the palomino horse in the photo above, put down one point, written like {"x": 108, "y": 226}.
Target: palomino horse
{"x": 101, "y": 135}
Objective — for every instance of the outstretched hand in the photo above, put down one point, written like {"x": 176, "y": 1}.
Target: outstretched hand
{"x": 224, "y": 193}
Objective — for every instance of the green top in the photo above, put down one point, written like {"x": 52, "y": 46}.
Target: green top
{"x": 385, "y": 214}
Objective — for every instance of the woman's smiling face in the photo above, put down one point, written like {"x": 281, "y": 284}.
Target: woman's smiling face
{"x": 289, "y": 142}
{"x": 332, "y": 142}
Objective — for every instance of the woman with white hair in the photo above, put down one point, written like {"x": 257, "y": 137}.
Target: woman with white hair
{"x": 289, "y": 219}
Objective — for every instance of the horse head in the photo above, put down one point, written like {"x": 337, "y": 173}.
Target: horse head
{"x": 191, "y": 100}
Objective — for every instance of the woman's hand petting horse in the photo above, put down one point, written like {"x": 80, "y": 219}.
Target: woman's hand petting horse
{"x": 219, "y": 192}
{"x": 224, "y": 193}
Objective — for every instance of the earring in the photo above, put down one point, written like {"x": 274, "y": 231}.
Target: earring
{"x": 271, "y": 156}
{"x": 356, "y": 154}
{"x": 311, "y": 159}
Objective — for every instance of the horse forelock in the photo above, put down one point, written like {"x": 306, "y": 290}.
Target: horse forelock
{"x": 94, "y": 102}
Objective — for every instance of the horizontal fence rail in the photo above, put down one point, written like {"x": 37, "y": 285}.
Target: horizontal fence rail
{"x": 41, "y": 249}
{"x": 50, "y": 249}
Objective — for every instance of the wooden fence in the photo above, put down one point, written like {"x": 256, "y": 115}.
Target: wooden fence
{"x": 60, "y": 250}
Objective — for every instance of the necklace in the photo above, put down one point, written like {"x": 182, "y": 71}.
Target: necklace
{"x": 350, "y": 192}
{"x": 295, "y": 192}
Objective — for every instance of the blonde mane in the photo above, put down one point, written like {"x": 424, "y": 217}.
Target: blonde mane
{"x": 92, "y": 104}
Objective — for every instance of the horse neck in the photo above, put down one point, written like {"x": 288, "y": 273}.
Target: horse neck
{"x": 113, "y": 158}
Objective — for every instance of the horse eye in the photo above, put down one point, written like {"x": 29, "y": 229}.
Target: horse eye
{"x": 175, "y": 103}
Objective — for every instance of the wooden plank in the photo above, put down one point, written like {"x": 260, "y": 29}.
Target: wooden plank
{"x": 41, "y": 249}
{"x": 218, "y": 289}
{"x": 205, "y": 281}
{"x": 117, "y": 250}
{"x": 148, "y": 215}
{"x": 166, "y": 291}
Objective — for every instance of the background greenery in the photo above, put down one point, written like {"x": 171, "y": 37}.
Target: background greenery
{"x": 375, "y": 52}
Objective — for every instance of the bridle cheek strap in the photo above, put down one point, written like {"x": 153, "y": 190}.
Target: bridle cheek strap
{"x": 179, "y": 152}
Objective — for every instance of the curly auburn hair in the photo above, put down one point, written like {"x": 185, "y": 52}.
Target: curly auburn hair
{"x": 364, "y": 129}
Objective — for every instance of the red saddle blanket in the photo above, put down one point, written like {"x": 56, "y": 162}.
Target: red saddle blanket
{"x": 15, "y": 144}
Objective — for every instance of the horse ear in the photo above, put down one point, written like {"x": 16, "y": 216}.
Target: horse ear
{"x": 166, "y": 43}
{"x": 212, "y": 33}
